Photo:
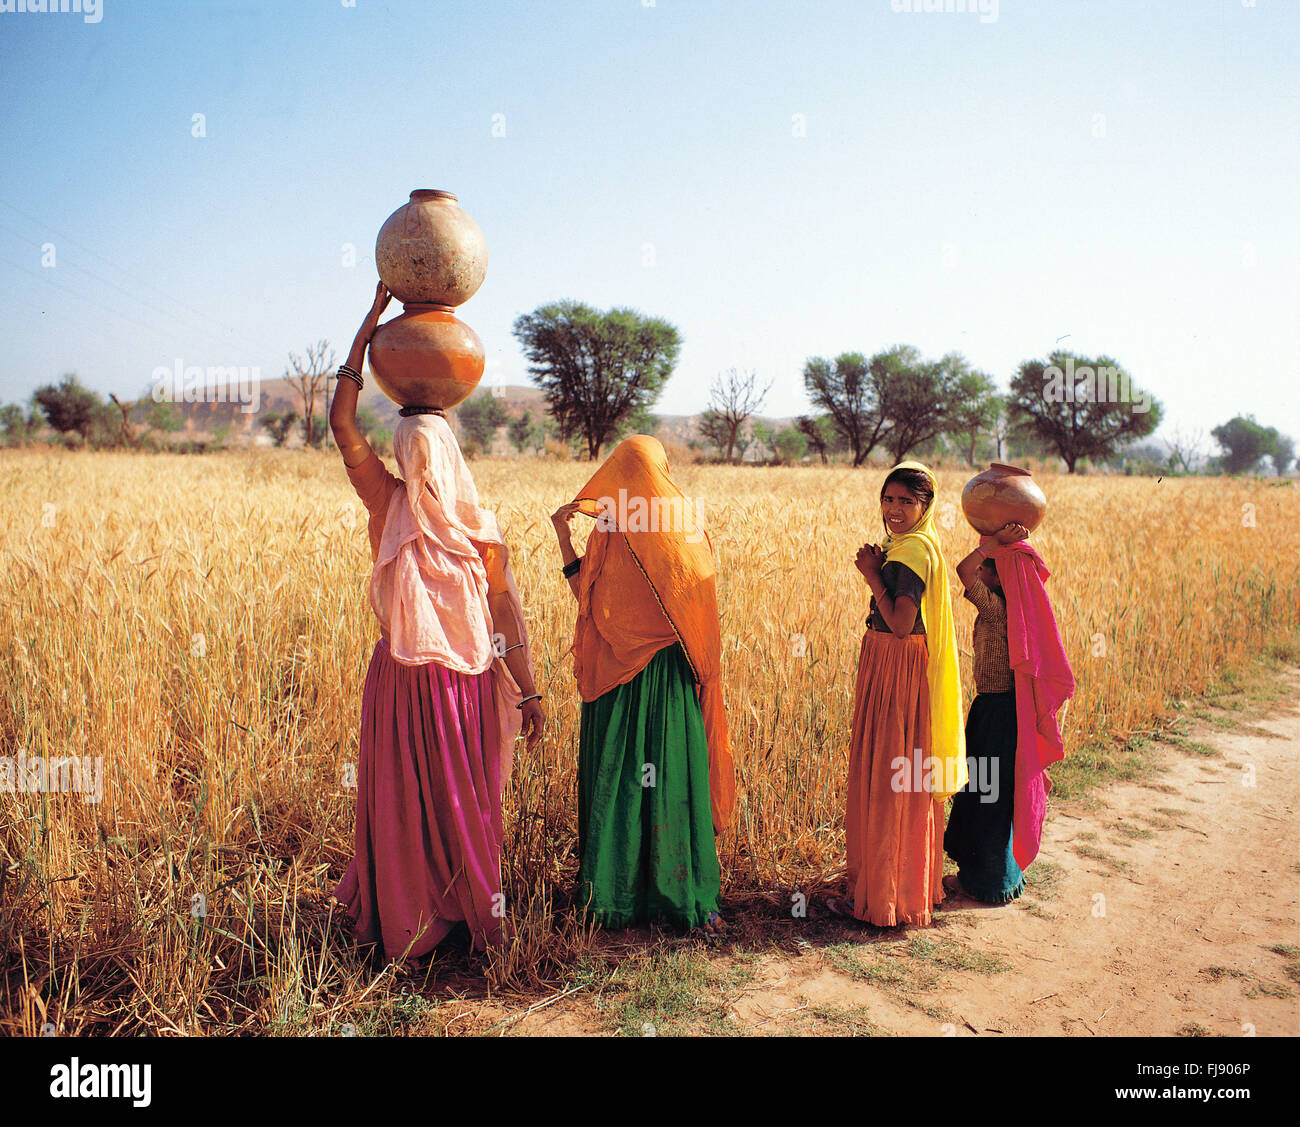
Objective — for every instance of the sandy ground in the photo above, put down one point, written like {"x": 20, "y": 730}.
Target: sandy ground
{"x": 1161, "y": 918}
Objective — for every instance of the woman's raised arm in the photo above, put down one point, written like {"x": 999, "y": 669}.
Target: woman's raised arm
{"x": 351, "y": 442}
{"x": 562, "y": 520}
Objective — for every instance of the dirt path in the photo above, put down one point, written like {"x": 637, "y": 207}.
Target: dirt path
{"x": 1155, "y": 912}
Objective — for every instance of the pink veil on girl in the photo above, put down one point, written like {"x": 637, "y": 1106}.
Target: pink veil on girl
{"x": 429, "y": 586}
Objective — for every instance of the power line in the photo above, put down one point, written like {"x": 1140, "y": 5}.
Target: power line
{"x": 168, "y": 316}
{"x": 238, "y": 339}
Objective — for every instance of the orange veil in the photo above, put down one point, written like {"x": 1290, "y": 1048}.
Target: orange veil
{"x": 645, "y": 522}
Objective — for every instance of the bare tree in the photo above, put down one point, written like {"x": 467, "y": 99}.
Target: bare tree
{"x": 309, "y": 373}
{"x": 733, "y": 398}
{"x": 128, "y": 439}
{"x": 1186, "y": 448}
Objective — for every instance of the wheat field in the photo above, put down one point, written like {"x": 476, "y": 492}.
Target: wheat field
{"x": 199, "y": 626}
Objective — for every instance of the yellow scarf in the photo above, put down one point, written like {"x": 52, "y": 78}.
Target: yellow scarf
{"x": 920, "y": 551}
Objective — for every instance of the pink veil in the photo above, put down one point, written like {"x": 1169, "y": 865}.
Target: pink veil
{"x": 429, "y": 586}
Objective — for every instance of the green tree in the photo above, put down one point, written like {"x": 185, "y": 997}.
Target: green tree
{"x": 163, "y": 415}
{"x": 820, "y": 432}
{"x": 16, "y": 425}
{"x": 845, "y": 390}
{"x": 1283, "y": 453}
{"x": 595, "y": 369}
{"x": 1079, "y": 407}
{"x": 915, "y": 396}
{"x": 974, "y": 409}
{"x": 640, "y": 421}
{"x": 313, "y": 435}
{"x": 761, "y": 436}
{"x": 68, "y": 406}
{"x": 790, "y": 445}
{"x": 368, "y": 421}
{"x": 1244, "y": 443}
{"x": 278, "y": 424}
{"x": 480, "y": 416}
{"x": 522, "y": 431}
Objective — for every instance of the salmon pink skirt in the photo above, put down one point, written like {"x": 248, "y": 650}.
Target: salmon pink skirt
{"x": 893, "y": 824}
{"x": 428, "y": 833}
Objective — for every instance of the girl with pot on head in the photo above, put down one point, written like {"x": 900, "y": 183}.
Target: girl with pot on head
{"x": 978, "y": 836}
{"x": 655, "y": 777}
{"x": 906, "y": 750}
{"x": 449, "y": 687}
{"x": 1022, "y": 678}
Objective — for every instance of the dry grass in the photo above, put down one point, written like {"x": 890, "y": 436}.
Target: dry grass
{"x": 201, "y": 624}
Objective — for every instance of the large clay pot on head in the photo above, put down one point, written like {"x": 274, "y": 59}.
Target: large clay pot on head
{"x": 426, "y": 358}
{"x": 1003, "y": 495}
{"x": 430, "y": 252}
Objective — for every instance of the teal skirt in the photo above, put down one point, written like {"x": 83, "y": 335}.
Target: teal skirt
{"x": 645, "y": 826}
{"x": 978, "y": 837}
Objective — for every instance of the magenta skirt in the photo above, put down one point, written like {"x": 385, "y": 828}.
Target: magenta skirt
{"x": 428, "y": 836}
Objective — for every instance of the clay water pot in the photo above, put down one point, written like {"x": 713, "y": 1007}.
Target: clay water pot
{"x": 430, "y": 252}
{"x": 1003, "y": 495}
{"x": 426, "y": 357}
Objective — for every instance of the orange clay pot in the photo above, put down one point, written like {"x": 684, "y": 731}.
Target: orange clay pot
{"x": 426, "y": 358}
{"x": 1003, "y": 495}
{"x": 430, "y": 252}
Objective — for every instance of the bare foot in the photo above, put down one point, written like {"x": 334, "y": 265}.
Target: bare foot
{"x": 841, "y": 906}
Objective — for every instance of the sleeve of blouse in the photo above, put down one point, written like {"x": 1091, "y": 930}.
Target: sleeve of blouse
{"x": 978, "y": 595}
{"x": 502, "y": 592}
{"x": 373, "y": 483}
{"x": 496, "y": 558}
{"x": 906, "y": 584}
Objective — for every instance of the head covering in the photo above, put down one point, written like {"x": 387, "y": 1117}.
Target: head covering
{"x": 429, "y": 585}
{"x": 921, "y": 551}
{"x": 650, "y": 522}
{"x": 1044, "y": 681}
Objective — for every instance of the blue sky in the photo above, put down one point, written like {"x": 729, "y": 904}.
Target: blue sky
{"x": 778, "y": 180}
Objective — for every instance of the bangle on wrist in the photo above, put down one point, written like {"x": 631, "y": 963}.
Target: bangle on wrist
{"x": 530, "y": 696}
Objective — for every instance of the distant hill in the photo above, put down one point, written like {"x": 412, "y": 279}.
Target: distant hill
{"x": 204, "y": 420}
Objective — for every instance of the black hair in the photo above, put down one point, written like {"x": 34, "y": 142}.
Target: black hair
{"x": 913, "y": 480}
{"x": 998, "y": 590}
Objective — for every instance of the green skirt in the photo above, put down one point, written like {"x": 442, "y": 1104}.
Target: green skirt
{"x": 645, "y": 827}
